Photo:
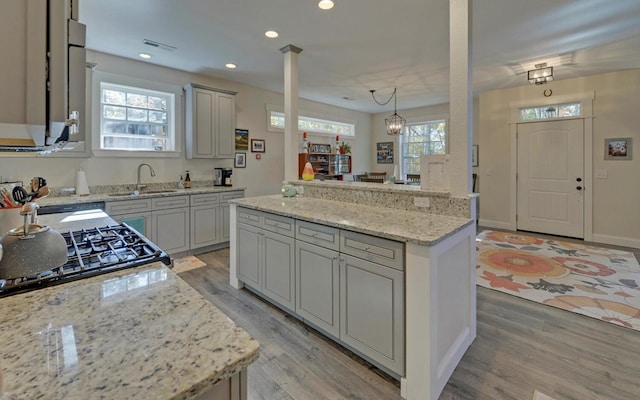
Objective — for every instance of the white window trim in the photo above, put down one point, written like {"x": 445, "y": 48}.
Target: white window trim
{"x": 98, "y": 77}
{"x": 418, "y": 121}
{"x": 270, "y": 108}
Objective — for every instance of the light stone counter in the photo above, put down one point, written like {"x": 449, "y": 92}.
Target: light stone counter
{"x": 104, "y": 194}
{"x": 141, "y": 333}
{"x": 400, "y": 225}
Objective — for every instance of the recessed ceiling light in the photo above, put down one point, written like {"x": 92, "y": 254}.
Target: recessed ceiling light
{"x": 146, "y": 56}
{"x": 231, "y": 66}
{"x": 326, "y": 4}
{"x": 271, "y": 34}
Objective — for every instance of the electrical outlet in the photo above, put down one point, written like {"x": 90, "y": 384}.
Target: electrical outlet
{"x": 422, "y": 202}
{"x": 601, "y": 174}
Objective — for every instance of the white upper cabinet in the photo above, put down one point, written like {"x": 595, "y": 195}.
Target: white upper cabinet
{"x": 211, "y": 122}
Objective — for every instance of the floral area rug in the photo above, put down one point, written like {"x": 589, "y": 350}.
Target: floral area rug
{"x": 593, "y": 281}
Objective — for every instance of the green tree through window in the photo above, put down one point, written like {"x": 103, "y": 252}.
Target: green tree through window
{"x": 421, "y": 138}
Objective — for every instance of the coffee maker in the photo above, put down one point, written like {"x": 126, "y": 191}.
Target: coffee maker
{"x": 226, "y": 176}
{"x": 217, "y": 177}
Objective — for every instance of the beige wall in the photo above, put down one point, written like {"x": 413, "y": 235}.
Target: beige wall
{"x": 420, "y": 114}
{"x": 616, "y": 110}
{"x": 259, "y": 177}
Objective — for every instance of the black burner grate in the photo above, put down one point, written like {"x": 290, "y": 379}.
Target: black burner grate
{"x": 91, "y": 252}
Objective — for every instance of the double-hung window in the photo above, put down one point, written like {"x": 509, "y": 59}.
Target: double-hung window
{"x": 135, "y": 116}
{"x": 421, "y": 138}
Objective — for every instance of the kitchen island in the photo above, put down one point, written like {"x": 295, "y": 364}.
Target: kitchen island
{"x": 138, "y": 333}
{"x": 434, "y": 254}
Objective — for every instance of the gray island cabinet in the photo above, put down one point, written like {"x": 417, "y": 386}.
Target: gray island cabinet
{"x": 396, "y": 287}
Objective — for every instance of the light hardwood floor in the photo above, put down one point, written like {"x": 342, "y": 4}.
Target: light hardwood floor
{"x": 521, "y": 346}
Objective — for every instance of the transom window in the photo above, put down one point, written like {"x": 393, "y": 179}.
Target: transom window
{"x": 550, "y": 111}
{"x": 136, "y": 119}
{"x": 421, "y": 138}
{"x": 309, "y": 124}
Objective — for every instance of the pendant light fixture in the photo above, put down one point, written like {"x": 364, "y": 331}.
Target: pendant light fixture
{"x": 395, "y": 123}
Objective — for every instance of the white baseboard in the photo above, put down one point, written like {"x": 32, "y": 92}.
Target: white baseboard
{"x": 616, "y": 240}
{"x": 496, "y": 224}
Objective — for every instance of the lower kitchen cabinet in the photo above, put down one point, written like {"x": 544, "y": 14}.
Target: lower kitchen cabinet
{"x": 170, "y": 223}
{"x": 267, "y": 263}
{"x": 279, "y": 268}
{"x": 372, "y": 311}
{"x": 348, "y": 285}
{"x": 317, "y": 287}
{"x": 135, "y": 213}
{"x": 249, "y": 258}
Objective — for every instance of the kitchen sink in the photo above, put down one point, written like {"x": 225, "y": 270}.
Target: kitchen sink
{"x": 121, "y": 194}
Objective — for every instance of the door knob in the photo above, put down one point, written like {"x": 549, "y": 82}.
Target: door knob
{"x": 578, "y": 179}
{"x": 579, "y": 187}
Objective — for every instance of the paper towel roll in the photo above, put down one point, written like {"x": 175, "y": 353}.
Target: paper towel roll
{"x": 396, "y": 172}
{"x": 82, "y": 188}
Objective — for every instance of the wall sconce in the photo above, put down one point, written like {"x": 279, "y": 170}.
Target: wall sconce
{"x": 541, "y": 75}
{"x": 395, "y": 123}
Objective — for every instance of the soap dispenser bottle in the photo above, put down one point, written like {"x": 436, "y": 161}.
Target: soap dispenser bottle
{"x": 181, "y": 183}
{"x": 187, "y": 181}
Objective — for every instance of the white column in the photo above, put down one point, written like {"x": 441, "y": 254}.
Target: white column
{"x": 460, "y": 96}
{"x": 291, "y": 111}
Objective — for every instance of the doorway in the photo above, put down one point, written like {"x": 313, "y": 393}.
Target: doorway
{"x": 550, "y": 177}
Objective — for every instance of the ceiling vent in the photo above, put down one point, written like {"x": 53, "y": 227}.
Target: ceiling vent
{"x": 158, "y": 45}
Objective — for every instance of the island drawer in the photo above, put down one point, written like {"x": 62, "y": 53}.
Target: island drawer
{"x": 163, "y": 203}
{"x": 279, "y": 224}
{"x": 320, "y": 235}
{"x": 382, "y": 251}
{"x": 205, "y": 199}
{"x": 249, "y": 217}
{"x": 128, "y": 206}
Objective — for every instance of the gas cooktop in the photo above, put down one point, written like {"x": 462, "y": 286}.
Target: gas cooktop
{"x": 91, "y": 252}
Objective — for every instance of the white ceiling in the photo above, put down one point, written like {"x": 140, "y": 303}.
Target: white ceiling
{"x": 370, "y": 44}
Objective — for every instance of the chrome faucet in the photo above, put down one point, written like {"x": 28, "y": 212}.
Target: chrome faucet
{"x": 139, "y": 185}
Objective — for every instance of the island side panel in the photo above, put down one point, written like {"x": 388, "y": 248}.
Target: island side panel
{"x": 233, "y": 248}
{"x": 440, "y": 310}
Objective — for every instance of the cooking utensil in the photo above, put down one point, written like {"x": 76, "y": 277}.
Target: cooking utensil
{"x": 37, "y": 182}
{"x": 31, "y": 248}
{"x": 20, "y": 195}
{"x": 42, "y": 192}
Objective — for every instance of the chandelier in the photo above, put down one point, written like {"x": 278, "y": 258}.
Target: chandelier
{"x": 395, "y": 123}
{"x": 541, "y": 75}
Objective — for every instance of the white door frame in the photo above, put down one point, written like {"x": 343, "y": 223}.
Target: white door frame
{"x": 586, "y": 107}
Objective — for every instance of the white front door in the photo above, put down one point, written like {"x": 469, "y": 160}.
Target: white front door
{"x": 550, "y": 177}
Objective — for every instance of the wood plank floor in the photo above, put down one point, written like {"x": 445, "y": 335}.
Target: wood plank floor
{"x": 521, "y": 346}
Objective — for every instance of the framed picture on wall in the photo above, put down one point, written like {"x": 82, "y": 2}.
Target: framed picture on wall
{"x": 384, "y": 152}
{"x": 242, "y": 139}
{"x": 257, "y": 146}
{"x": 618, "y": 149}
{"x": 240, "y": 160}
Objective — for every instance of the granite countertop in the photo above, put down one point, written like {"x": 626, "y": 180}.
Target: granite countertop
{"x": 138, "y": 333}
{"x": 400, "y": 225}
{"x": 56, "y": 200}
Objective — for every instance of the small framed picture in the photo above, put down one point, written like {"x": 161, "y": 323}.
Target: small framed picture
{"x": 257, "y": 145}
{"x": 474, "y": 155}
{"x": 242, "y": 139}
{"x": 240, "y": 160}
{"x": 618, "y": 149}
{"x": 384, "y": 152}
